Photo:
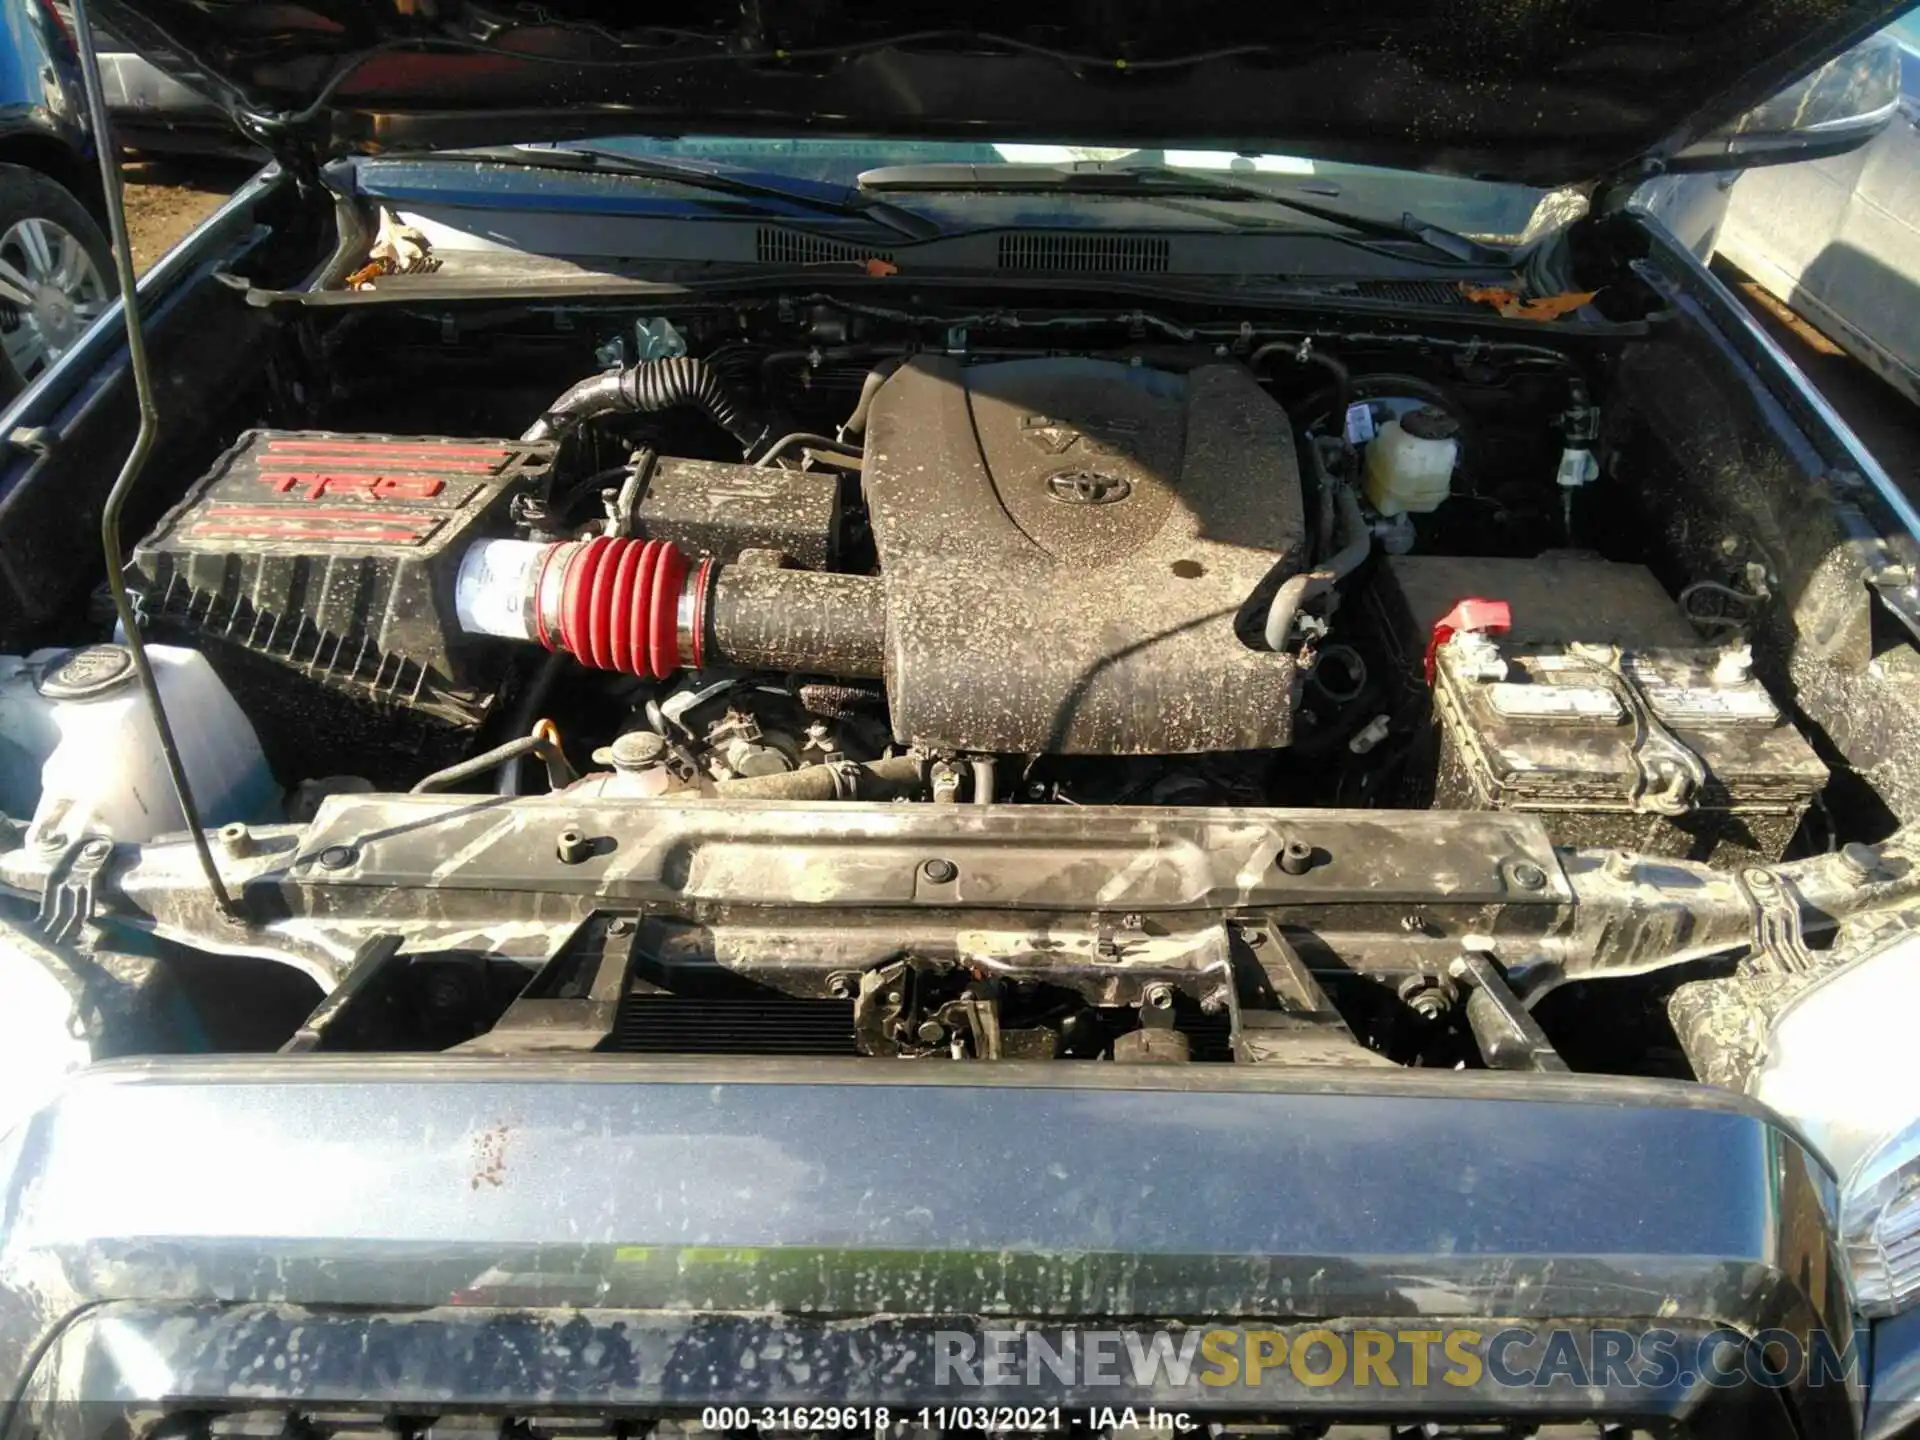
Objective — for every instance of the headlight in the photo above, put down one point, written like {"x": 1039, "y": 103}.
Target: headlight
{"x": 1843, "y": 1063}
{"x": 1880, "y": 1224}
{"x": 38, "y": 1048}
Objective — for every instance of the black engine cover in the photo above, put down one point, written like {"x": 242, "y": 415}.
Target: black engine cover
{"x": 1065, "y": 546}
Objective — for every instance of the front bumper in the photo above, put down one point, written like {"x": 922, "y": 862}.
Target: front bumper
{"x": 419, "y": 1235}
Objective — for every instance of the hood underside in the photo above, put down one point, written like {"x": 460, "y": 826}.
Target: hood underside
{"x": 1546, "y": 92}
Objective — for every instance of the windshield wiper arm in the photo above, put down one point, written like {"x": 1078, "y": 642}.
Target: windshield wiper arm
{"x": 699, "y": 177}
{"x": 1408, "y": 227}
{"x": 1161, "y": 182}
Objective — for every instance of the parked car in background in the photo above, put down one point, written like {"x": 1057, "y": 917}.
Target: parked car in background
{"x": 1836, "y": 238}
{"x": 1839, "y": 239}
{"x": 155, "y": 114}
{"x": 55, "y": 267}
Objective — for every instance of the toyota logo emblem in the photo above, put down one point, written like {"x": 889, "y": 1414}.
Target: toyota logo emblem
{"x": 1087, "y": 487}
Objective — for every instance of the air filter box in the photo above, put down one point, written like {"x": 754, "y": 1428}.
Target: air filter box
{"x": 316, "y": 572}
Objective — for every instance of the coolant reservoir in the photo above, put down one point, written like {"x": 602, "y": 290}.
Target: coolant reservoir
{"x": 27, "y": 733}
{"x": 1410, "y": 462}
{"x": 107, "y": 775}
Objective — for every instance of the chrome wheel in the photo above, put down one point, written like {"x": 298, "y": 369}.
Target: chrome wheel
{"x": 50, "y": 291}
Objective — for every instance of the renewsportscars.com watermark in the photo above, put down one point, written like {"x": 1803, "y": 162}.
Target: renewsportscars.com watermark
{"x": 1374, "y": 1359}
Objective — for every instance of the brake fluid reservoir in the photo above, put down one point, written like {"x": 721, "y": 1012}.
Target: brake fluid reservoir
{"x": 108, "y": 775}
{"x": 1410, "y": 462}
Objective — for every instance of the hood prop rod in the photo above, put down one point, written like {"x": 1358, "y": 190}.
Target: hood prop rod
{"x": 136, "y": 457}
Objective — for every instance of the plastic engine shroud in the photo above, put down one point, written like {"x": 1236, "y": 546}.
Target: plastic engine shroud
{"x": 1065, "y": 546}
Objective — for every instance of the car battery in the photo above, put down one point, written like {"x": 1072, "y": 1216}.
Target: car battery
{"x": 1600, "y": 711}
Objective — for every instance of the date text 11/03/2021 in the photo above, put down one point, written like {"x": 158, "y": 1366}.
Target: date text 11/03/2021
{"x": 942, "y": 1417}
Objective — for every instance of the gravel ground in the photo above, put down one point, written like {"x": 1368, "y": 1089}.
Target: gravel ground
{"x": 166, "y": 199}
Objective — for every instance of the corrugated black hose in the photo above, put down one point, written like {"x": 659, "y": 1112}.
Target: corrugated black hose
{"x": 649, "y": 387}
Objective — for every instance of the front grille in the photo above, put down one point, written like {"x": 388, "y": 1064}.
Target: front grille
{"x": 774, "y": 246}
{"x": 1108, "y": 254}
{"x": 1210, "y": 1037}
{"x": 733, "y": 1025}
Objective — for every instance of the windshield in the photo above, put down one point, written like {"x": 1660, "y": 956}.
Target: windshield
{"x": 1483, "y": 209}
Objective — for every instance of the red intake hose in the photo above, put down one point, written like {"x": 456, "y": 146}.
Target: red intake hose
{"x": 642, "y": 608}
{"x": 620, "y": 607}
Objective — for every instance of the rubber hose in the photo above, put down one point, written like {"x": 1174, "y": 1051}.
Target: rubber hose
{"x": 527, "y": 709}
{"x": 559, "y": 772}
{"x": 1342, "y": 378}
{"x": 1288, "y": 599}
{"x": 1359, "y": 538}
{"x": 901, "y": 776}
{"x": 983, "y": 769}
{"x": 647, "y": 388}
{"x": 856, "y": 424}
{"x": 801, "y": 622}
{"x": 1323, "y": 511}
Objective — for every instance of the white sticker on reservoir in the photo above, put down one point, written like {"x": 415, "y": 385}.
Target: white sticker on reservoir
{"x": 490, "y": 597}
{"x": 1359, "y": 423}
{"x": 1577, "y": 468}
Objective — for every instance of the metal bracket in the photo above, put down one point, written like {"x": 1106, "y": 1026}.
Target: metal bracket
{"x": 978, "y": 1010}
{"x": 573, "y": 1004}
{"x": 35, "y": 440}
{"x": 1293, "y": 1023}
{"x": 371, "y": 964}
{"x": 1890, "y": 558}
{"x": 1509, "y": 1038}
{"x": 67, "y": 905}
{"x": 1779, "y": 939}
{"x": 624, "y": 502}
{"x": 1671, "y": 774}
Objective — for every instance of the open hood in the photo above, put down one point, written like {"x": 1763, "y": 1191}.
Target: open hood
{"x": 1547, "y": 92}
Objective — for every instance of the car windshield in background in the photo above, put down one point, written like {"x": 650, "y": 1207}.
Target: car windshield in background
{"x": 1482, "y": 209}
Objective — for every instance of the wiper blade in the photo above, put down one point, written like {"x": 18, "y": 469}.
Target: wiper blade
{"x": 1162, "y": 182}
{"x": 721, "y": 182}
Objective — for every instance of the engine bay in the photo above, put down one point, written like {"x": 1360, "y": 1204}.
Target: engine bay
{"x": 1136, "y": 604}
{"x": 1066, "y": 579}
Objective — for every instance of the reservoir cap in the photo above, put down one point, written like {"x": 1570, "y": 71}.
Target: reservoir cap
{"x": 88, "y": 673}
{"x": 1430, "y": 423}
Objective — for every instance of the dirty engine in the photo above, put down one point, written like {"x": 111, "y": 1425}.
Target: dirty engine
{"x": 1151, "y": 649}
